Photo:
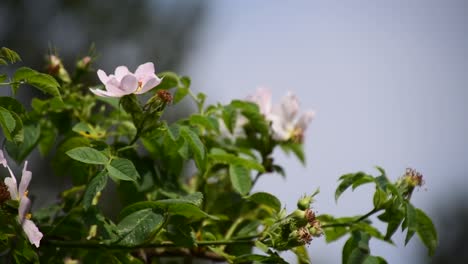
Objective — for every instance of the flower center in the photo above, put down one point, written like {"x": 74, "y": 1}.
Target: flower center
{"x": 140, "y": 85}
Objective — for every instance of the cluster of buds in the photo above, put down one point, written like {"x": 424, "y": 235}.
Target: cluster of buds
{"x": 296, "y": 229}
{"x": 409, "y": 181}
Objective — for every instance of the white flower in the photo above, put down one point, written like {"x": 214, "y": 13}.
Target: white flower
{"x": 20, "y": 193}
{"x": 285, "y": 122}
{"x": 124, "y": 82}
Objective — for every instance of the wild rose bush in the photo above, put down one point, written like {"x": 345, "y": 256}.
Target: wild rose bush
{"x": 114, "y": 132}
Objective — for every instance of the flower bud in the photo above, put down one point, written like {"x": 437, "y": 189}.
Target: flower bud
{"x": 159, "y": 101}
{"x": 304, "y": 202}
{"x": 84, "y": 63}
{"x": 409, "y": 181}
{"x": 55, "y": 68}
{"x": 315, "y": 228}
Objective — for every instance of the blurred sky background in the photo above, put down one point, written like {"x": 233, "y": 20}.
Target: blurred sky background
{"x": 387, "y": 80}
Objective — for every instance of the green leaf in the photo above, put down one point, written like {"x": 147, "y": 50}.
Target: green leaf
{"x": 187, "y": 206}
{"x": 169, "y": 80}
{"x": 334, "y": 233}
{"x": 88, "y": 130}
{"x": 136, "y": 228}
{"x": 7, "y": 122}
{"x": 257, "y": 259}
{"x": 97, "y": 184}
{"x": 12, "y": 105}
{"x": 410, "y": 221}
{"x": 180, "y": 94}
{"x": 266, "y": 199}
{"x": 382, "y": 182}
{"x": 240, "y": 178}
{"x": 173, "y": 131}
{"x": 122, "y": 169}
{"x": 348, "y": 180}
{"x": 380, "y": 197}
{"x": 356, "y": 248}
{"x": 196, "y": 145}
{"x": 41, "y": 81}
{"x": 87, "y": 155}
{"x": 393, "y": 215}
{"x": 204, "y": 122}
{"x": 18, "y": 132}
{"x": 20, "y": 151}
{"x": 229, "y": 116}
{"x": 374, "y": 260}
{"x": 10, "y": 55}
{"x": 221, "y": 157}
{"x": 296, "y": 148}
{"x": 426, "y": 231}
{"x": 180, "y": 232}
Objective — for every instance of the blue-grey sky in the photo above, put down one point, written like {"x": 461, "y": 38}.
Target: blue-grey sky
{"x": 387, "y": 80}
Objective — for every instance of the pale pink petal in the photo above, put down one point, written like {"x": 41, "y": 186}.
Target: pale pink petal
{"x": 12, "y": 186}
{"x": 305, "y": 120}
{"x": 148, "y": 83}
{"x": 25, "y": 179}
{"x": 102, "y": 76}
{"x": 102, "y": 93}
{"x": 289, "y": 107}
{"x": 114, "y": 87}
{"x": 3, "y": 160}
{"x": 121, "y": 72}
{"x": 262, "y": 98}
{"x": 279, "y": 127}
{"x": 129, "y": 83}
{"x": 24, "y": 207}
{"x": 146, "y": 69}
{"x": 32, "y": 232}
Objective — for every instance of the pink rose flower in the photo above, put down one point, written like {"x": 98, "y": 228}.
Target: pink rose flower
{"x": 124, "y": 82}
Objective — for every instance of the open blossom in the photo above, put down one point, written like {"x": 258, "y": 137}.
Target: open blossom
{"x": 286, "y": 123}
{"x": 124, "y": 82}
{"x": 21, "y": 193}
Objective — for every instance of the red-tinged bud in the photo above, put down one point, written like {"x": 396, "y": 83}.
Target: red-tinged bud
{"x": 165, "y": 96}
{"x": 55, "y": 68}
{"x": 84, "y": 63}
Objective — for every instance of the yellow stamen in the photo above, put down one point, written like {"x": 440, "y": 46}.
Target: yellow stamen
{"x": 26, "y": 193}
{"x": 28, "y": 216}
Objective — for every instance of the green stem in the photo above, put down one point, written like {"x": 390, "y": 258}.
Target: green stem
{"x": 232, "y": 229}
{"x": 256, "y": 179}
{"x": 363, "y": 217}
{"x": 98, "y": 245}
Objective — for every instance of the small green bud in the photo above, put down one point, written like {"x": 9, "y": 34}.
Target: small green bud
{"x": 304, "y": 202}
